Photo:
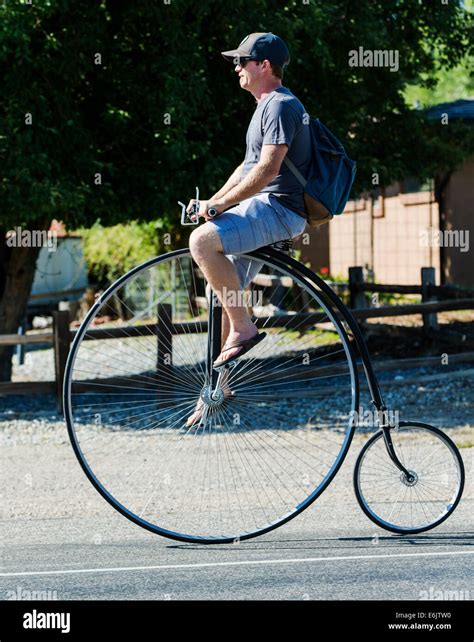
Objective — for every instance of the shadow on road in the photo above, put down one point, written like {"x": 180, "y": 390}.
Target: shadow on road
{"x": 346, "y": 543}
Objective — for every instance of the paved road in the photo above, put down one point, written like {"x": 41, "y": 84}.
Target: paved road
{"x": 61, "y": 539}
{"x": 295, "y": 565}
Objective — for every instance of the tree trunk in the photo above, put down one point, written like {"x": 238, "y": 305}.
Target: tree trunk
{"x": 17, "y": 270}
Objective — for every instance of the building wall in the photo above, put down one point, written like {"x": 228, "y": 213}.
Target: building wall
{"x": 314, "y": 247}
{"x": 458, "y": 215}
{"x": 384, "y": 236}
{"x": 397, "y": 235}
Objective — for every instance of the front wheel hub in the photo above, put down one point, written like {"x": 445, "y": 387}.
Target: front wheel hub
{"x": 410, "y": 480}
{"x": 212, "y": 397}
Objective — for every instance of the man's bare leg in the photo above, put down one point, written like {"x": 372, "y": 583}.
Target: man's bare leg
{"x": 206, "y": 249}
{"x": 225, "y": 323}
{"x": 225, "y": 327}
{"x": 220, "y": 273}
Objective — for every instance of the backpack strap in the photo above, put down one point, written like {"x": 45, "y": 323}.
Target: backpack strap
{"x": 292, "y": 167}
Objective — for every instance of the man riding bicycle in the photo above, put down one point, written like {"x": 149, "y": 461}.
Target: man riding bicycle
{"x": 262, "y": 201}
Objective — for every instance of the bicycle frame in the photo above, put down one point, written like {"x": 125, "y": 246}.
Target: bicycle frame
{"x": 230, "y": 521}
{"x": 374, "y": 387}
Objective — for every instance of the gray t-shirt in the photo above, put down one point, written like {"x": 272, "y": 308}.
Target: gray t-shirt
{"x": 279, "y": 119}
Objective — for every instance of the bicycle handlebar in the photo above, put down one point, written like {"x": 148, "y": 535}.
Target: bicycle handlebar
{"x": 192, "y": 217}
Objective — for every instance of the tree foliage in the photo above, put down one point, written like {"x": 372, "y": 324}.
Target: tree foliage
{"x": 446, "y": 85}
{"x": 114, "y": 109}
{"x": 163, "y": 111}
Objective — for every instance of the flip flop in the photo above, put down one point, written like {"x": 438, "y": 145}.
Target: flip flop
{"x": 246, "y": 345}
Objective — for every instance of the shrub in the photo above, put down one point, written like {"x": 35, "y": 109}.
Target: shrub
{"x": 111, "y": 251}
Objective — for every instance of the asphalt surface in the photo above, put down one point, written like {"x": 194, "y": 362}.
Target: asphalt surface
{"x": 61, "y": 540}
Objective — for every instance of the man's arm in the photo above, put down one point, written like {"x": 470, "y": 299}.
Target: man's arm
{"x": 231, "y": 182}
{"x": 259, "y": 176}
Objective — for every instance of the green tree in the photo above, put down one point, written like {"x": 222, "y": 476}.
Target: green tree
{"x": 113, "y": 110}
{"x": 444, "y": 86}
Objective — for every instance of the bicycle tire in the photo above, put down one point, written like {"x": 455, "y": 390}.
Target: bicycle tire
{"x": 384, "y": 466}
{"x": 281, "y": 262}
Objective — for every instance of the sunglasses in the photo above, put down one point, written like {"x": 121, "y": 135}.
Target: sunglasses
{"x": 244, "y": 61}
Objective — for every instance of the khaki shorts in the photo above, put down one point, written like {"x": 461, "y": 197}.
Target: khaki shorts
{"x": 254, "y": 223}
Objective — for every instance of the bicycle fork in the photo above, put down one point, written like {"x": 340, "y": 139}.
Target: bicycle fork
{"x": 386, "y": 426}
{"x": 381, "y": 410}
{"x": 212, "y": 393}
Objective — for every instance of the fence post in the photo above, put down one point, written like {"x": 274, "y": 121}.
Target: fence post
{"x": 61, "y": 342}
{"x": 164, "y": 334}
{"x": 356, "y": 280}
{"x": 357, "y": 297}
{"x": 21, "y": 348}
{"x": 430, "y": 319}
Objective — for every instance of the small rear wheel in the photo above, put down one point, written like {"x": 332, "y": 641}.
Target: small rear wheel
{"x": 412, "y": 504}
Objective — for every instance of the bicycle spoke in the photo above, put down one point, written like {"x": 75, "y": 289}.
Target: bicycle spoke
{"x": 401, "y": 505}
{"x": 253, "y": 458}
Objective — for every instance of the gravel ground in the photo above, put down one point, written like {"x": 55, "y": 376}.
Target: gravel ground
{"x": 53, "y": 520}
{"x": 34, "y": 440}
{"x": 31, "y": 430}
{"x": 424, "y": 401}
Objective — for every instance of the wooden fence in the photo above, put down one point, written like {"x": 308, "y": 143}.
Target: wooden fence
{"x": 61, "y": 336}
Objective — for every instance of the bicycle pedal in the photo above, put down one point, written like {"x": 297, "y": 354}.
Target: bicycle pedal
{"x": 227, "y": 366}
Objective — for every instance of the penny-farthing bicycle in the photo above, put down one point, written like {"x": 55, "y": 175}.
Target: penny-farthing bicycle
{"x": 272, "y": 437}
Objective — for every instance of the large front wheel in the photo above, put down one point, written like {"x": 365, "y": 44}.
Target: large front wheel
{"x": 271, "y": 438}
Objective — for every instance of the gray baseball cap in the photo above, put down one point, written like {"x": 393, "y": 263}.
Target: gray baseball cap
{"x": 260, "y": 46}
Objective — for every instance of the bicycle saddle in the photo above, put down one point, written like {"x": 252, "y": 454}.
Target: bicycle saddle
{"x": 283, "y": 246}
